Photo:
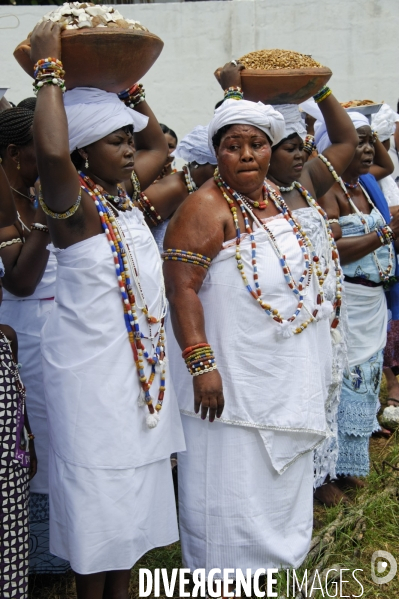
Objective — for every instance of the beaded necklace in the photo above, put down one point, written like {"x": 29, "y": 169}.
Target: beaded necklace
{"x": 286, "y": 189}
{"x": 190, "y": 183}
{"x": 333, "y": 252}
{"x": 384, "y": 273}
{"x": 297, "y": 288}
{"x": 121, "y": 201}
{"x": 124, "y": 273}
{"x": 351, "y": 185}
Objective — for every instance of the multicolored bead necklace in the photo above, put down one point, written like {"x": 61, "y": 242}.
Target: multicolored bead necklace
{"x": 299, "y": 289}
{"x": 124, "y": 272}
{"x": 384, "y": 274}
{"x": 351, "y": 185}
{"x": 190, "y": 183}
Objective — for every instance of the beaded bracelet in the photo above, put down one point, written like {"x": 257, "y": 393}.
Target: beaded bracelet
{"x": 132, "y": 96}
{"x": 309, "y": 144}
{"x": 322, "y": 94}
{"x": 385, "y": 234}
{"x": 59, "y": 215}
{"x": 374, "y": 136}
{"x": 199, "y": 359}
{"x": 149, "y": 210}
{"x": 4, "y": 244}
{"x": 233, "y": 93}
{"x": 136, "y": 186}
{"x": 49, "y": 71}
{"x": 186, "y": 256}
{"x": 39, "y": 227}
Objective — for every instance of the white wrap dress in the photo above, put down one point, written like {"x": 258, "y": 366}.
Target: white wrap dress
{"x": 246, "y": 481}
{"x": 111, "y": 491}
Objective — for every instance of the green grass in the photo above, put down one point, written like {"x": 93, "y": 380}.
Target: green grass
{"x": 348, "y": 548}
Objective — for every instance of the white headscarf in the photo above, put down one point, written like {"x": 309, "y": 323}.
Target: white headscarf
{"x": 94, "y": 113}
{"x": 194, "y": 147}
{"x": 293, "y": 121}
{"x": 243, "y": 112}
{"x": 384, "y": 122}
{"x": 320, "y": 130}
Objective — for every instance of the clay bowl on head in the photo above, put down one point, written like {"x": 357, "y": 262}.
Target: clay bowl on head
{"x": 109, "y": 59}
{"x": 282, "y": 86}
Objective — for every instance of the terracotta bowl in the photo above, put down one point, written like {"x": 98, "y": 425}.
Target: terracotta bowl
{"x": 282, "y": 86}
{"x": 111, "y": 59}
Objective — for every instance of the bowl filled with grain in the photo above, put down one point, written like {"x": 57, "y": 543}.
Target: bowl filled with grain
{"x": 281, "y": 76}
{"x": 99, "y": 47}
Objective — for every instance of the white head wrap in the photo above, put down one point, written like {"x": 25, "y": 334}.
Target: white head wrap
{"x": 320, "y": 130}
{"x": 93, "y": 113}
{"x": 194, "y": 147}
{"x": 243, "y": 112}
{"x": 384, "y": 122}
{"x": 293, "y": 121}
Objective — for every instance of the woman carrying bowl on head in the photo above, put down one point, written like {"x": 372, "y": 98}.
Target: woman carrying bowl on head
{"x": 255, "y": 346}
{"x": 365, "y": 237}
{"x": 103, "y": 346}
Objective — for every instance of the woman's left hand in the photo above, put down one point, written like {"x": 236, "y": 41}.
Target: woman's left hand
{"x": 33, "y": 459}
{"x": 230, "y": 75}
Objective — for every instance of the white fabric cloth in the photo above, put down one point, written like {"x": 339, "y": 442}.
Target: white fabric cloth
{"x": 106, "y": 461}
{"x": 271, "y": 383}
{"x": 243, "y": 112}
{"x": 235, "y": 511}
{"x": 320, "y": 130}
{"x": 321, "y": 137}
{"x": 394, "y": 155}
{"x": 384, "y": 122}
{"x": 94, "y": 113}
{"x": 194, "y": 147}
{"x": 367, "y": 318}
{"x": 102, "y": 520}
{"x": 312, "y": 108}
{"x": 294, "y": 123}
{"x": 27, "y": 316}
{"x": 390, "y": 190}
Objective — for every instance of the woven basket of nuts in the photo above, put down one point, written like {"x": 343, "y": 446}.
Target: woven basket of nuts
{"x": 281, "y": 76}
{"x": 99, "y": 48}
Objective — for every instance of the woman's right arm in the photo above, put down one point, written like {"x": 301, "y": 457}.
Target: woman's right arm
{"x": 8, "y": 212}
{"x": 183, "y": 282}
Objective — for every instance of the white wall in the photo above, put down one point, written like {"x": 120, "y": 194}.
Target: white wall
{"x": 357, "y": 39}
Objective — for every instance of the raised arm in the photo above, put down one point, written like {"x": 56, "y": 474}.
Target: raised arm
{"x": 151, "y": 148}
{"x": 344, "y": 140}
{"x": 382, "y": 163}
{"x": 183, "y": 282}
{"x": 8, "y": 212}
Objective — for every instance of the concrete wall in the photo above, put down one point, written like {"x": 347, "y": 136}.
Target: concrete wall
{"x": 357, "y": 39}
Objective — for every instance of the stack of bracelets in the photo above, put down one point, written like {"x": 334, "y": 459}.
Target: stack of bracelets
{"x": 199, "y": 359}
{"x": 133, "y": 95}
{"x": 233, "y": 93}
{"x": 48, "y": 71}
{"x": 148, "y": 210}
{"x": 309, "y": 144}
{"x": 385, "y": 234}
{"x": 185, "y": 256}
{"x": 322, "y": 94}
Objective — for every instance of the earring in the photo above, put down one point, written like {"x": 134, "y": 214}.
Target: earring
{"x": 87, "y": 163}
{"x": 18, "y": 166}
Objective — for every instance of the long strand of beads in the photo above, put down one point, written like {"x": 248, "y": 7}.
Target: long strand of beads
{"x": 257, "y": 293}
{"x": 190, "y": 184}
{"x": 108, "y": 224}
{"x": 333, "y": 251}
{"x": 384, "y": 274}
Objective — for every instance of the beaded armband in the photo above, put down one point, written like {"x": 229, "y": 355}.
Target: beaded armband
{"x": 185, "y": 256}
{"x": 133, "y": 95}
{"x": 5, "y": 244}
{"x": 309, "y": 144}
{"x": 233, "y": 93}
{"x": 136, "y": 186}
{"x": 385, "y": 235}
{"x": 329, "y": 166}
{"x": 199, "y": 359}
{"x": 333, "y": 220}
{"x": 59, "y": 215}
{"x": 149, "y": 210}
{"x": 48, "y": 71}
{"x": 322, "y": 94}
{"x": 39, "y": 227}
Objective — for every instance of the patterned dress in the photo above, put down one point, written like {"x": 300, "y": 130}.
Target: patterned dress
{"x": 14, "y": 479}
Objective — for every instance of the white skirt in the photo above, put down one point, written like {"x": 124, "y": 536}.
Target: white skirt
{"x": 235, "y": 511}
{"x": 102, "y": 520}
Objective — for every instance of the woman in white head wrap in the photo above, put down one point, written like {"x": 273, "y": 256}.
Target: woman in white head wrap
{"x": 102, "y": 345}
{"x": 363, "y": 230}
{"x": 301, "y": 182}
{"x": 249, "y": 474}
